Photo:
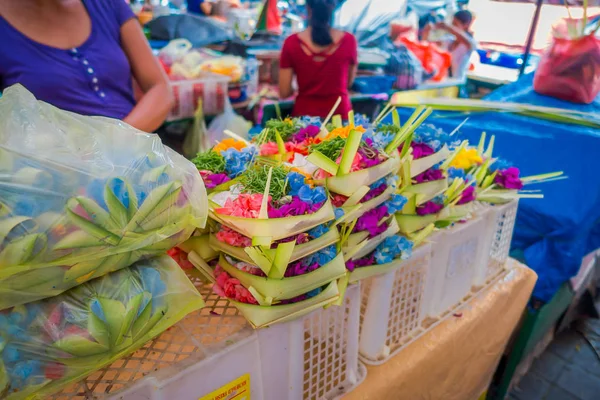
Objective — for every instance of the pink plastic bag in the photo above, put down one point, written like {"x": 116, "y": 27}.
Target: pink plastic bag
{"x": 570, "y": 70}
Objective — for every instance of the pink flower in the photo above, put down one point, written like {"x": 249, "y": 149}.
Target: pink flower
{"x": 214, "y": 180}
{"x": 245, "y": 206}
{"x": 509, "y": 179}
{"x": 338, "y": 200}
{"x": 269, "y": 149}
{"x": 309, "y": 131}
{"x": 233, "y": 238}
{"x": 226, "y": 286}
{"x": 355, "y": 163}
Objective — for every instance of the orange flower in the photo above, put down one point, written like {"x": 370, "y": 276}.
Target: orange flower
{"x": 228, "y": 143}
{"x": 343, "y": 132}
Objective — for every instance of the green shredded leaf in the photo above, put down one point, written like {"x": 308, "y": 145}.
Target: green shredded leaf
{"x": 286, "y": 128}
{"x": 388, "y": 128}
{"x": 330, "y": 148}
{"x": 209, "y": 161}
{"x": 255, "y": 181}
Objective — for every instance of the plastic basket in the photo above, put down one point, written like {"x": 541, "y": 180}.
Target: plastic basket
{"x": 391, "y": 308}
{"x": 314, "y": 357}
{"x": 456, "y": 254}
{"x": 499, "y": 227}
{"x": 197, "y": 356}
{"x": 211, "y": 89}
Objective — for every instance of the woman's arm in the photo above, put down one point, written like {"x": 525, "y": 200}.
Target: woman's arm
{"x": 461, "y": 36}
{"x": 152, "y": 109}
{"x": 285, "y": 83}
{"x": 352, "y": 75}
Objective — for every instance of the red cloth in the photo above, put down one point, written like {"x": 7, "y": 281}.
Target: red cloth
{"x": 321, "y": 82}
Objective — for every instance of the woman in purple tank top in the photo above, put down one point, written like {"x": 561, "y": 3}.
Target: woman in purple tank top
{"x": 82, "y": 56}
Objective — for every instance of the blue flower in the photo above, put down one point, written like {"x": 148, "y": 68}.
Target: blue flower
{"x": 326, "y": 255}
{"x": 313, "y": 292}
{"x": 310, "y": 121}
{"x": 379, "y": 139}
{"x": 500, "y": 164}
{"x": 319, "y": 195}
{"x": 11, "y": 353}
{"x": 318, "y": 231}
{"x": 295, "y": 181}
{"x": 117, "y": 186}
{"x": 95, "y": 190}
{"x": 339, "y": 213}
{"x": 439, "y": 199}
{"x": 393, "y": 247}
{"x": 378, "y": 183}
{"x": 305, "y": 193}
{"x": 236, "y": 161}
{"x": 454, "y": 173}
{"x": 152, "y": 282}
{"x": 25, "y": 369}
{"x": 396, "y": 203}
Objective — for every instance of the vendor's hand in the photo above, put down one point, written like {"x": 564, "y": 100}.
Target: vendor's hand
{"x": 441, "y": 25}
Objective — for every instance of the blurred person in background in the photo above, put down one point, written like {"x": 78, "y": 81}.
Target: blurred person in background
{"x": 324, "y": 62}
{"x": 82, "y": 56}
{"x": 462, "y": 44}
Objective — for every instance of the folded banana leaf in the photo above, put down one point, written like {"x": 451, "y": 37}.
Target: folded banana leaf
{"x": 288, "y": 288}
{"x": 348, "y": 184}
{"x": 300, "y": 250}
{"x": 263, "y": 316}
{"x": 201, "y": 245}
{"x": 356, "y": 248}
{"x": 276, "y": 228}
{"x": 374, "y": 270}
{"x": 51, "y": 343}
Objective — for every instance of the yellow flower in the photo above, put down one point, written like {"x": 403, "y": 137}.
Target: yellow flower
{"x": 227, "y": 143}
{"x": 343, "y": 132}
{"x": 466, "y": 158}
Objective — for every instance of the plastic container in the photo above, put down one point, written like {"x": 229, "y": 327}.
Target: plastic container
{"x": 499, "y": 227}
{"x": 457, "y": 253}
{"x": 391, "y": 308}
{"x": 314, "y": 357}
{"x": 211, "y": 89}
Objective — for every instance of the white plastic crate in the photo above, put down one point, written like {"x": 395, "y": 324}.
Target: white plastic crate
{"x": 391, "y": 308}
{"x": 206, "y": 350}
{"x": 211, "y": 89}
{"x": 314, "y": 357}
{"x": 456, "y": 254}
{"x": 499, "y": 227}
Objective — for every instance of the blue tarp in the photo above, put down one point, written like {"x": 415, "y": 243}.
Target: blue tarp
{"x": 552, "y": 234}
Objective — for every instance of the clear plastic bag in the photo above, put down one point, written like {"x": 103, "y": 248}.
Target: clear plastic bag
{"x": 48, "y": 344}
{"x": 229, "y": 120}
{"x": 84, "y": 196}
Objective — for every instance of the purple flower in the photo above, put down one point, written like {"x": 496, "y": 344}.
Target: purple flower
{"x": 429, "y": 175}
{"x": 309, "y": 131}
{"x": 467, "y": 196}
{"x": 294, "y": 208}
{"x": 420, "y": 150}
{"x": 300, "y": 268}
{"x": 361, "y": 262}
{"x": 371, "y": 194}
{"x": 509, "y": 179}
{"x": 370, "y": 157}
{"x": 213, "y": 180}
{"x": 429, "y": 207}
{"x": 370, "y": 221}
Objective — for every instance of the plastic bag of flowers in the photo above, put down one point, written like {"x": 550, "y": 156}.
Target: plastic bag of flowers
{"x": 78, "y": 190}
{"x": 271, "y": 203}
{"x": 387, "y": 256}
{"x": 497, "y": 180}
{"x": 48, "y": 344}
{"x": 280, "y": 294}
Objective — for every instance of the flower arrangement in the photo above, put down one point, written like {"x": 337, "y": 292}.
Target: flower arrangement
{"x": 386, "y": 256}
{"x": 497, "y": 181}
{"x": 224, "y": 162}
{"x": 48, "y": 344}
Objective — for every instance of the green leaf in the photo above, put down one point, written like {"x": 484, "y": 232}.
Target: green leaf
{"x": 356, "y": 197}
{"x": 19, "y": 251}
{"x": 320, "y": 160}
{"x": 263, "y": 212}
{"x": 350, "y": 149}
{"x": 141, "y": 321}
{"x": 79, "y": 346}
{"x": 118, "y": 211}
{"x": 262, "y": 259}
{"x": 280, "y": 143}
{"x": 152, "y": 203}
{"x": 114, "y": 311}
{"x": 132, "y": 310}
{"x": 104, "y": 237}
{"x": 159, "y": 313}
{"x": 396, "y": 118}
{"x": 77, "y": 240}
{"x": 283, "y": 254}
{"x": 337, "y": 121}
{"x": 98, "y": 330}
